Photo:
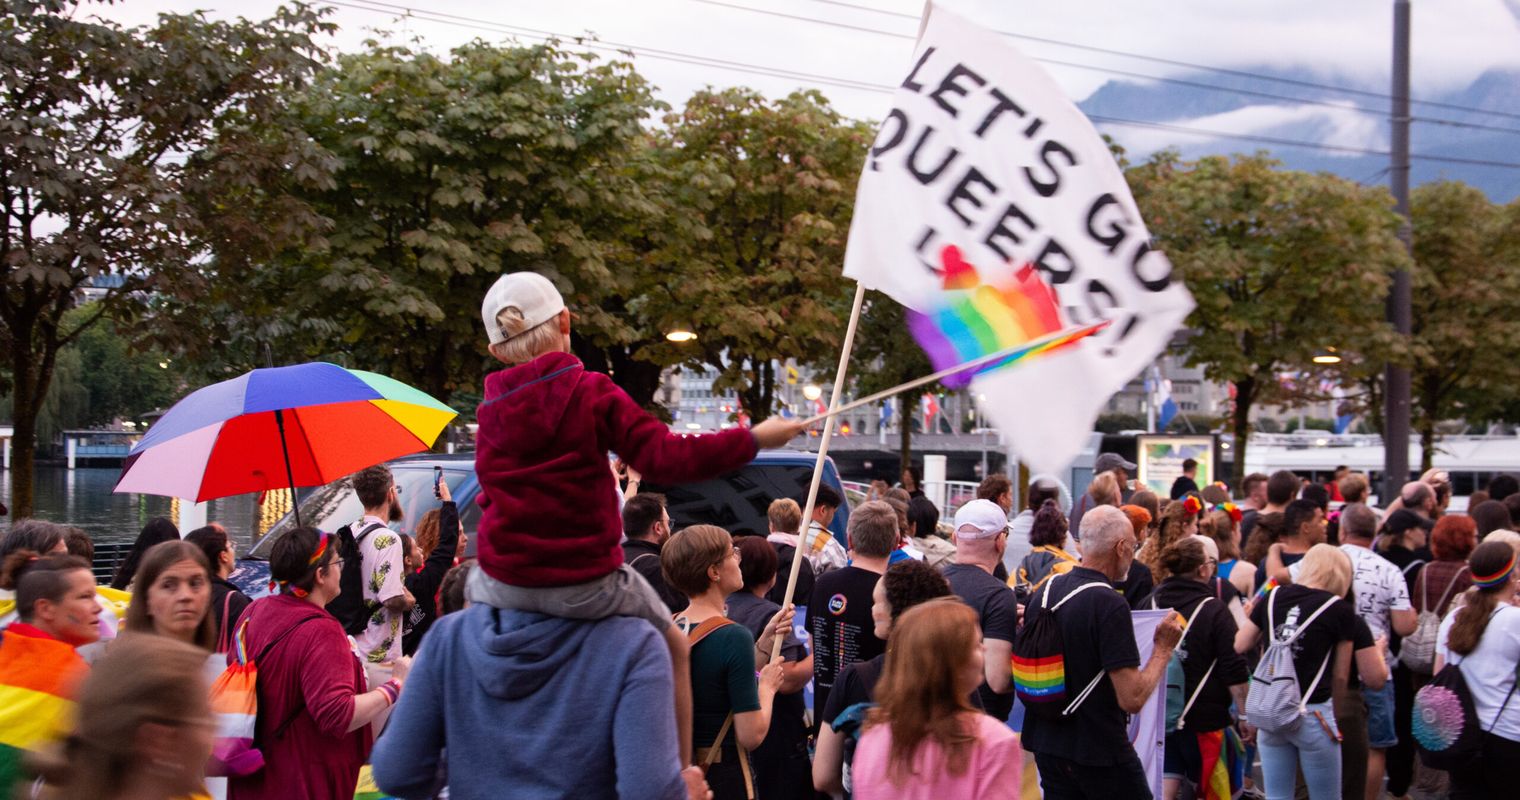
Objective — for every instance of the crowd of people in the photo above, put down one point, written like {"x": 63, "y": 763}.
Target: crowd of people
{"x": 590, "y": 649}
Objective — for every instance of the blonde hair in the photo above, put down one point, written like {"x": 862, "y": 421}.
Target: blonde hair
{"x": 523, "y": 344}
{"x": 1104, "y": 490}
{"x": 784, "y": 515}
{"x": 1326, "y": 567}
{"x": 1509, "y": 537}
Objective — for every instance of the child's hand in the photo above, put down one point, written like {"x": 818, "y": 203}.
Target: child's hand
{"x": 776, "y": 431}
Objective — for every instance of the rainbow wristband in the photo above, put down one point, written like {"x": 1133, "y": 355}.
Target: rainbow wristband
{"x": 392, "y": 690}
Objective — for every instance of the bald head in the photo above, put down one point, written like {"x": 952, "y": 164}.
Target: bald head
{"x": 1418, "y": 496}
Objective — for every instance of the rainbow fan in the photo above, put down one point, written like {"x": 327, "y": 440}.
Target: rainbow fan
{"x": 973, "y": 319}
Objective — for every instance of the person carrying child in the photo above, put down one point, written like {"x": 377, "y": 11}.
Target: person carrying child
{"x": 549, "y": 528}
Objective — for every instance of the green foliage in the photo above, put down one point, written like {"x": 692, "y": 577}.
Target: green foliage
{"x": 764, "y": 284}
{"x": 1281, "y": 264}
{"x": 1466, "y": 304}
{"x": 124, "y": 154}
{"x": 450, "y": 172}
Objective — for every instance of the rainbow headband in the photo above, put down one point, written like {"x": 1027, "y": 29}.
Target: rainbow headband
{"x": 1498, "y": 578}
{"x": 1231, "y": 509}
{"x": 316, "y": 558}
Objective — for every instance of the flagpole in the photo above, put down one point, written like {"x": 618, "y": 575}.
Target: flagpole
{"x": 823, "y": 454}
{"x": 836, "y": 409}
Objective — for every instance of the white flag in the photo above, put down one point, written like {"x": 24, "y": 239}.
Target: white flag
{"x": 1147, "y": 730}
{"x": 984, "y": 162}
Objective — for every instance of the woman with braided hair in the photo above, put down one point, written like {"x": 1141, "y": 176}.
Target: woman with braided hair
{"x": 314, "y": 709}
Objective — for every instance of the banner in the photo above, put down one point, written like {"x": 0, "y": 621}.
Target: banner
{"x": 1147, "y": 730}
{"x": 983, "y": 163}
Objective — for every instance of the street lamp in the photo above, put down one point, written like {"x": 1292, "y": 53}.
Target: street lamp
{"x": 1327, "y": 356}
{"x": 812, "y": 392}
{"x": 680, "y": 334}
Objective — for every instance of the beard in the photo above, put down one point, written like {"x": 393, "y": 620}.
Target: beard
{"x": 396, "y": 514}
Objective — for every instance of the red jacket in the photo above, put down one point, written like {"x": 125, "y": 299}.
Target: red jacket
{"x": 549, "y": 509}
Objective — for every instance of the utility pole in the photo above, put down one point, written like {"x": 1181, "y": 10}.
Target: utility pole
{"x": 1396, "y": 399}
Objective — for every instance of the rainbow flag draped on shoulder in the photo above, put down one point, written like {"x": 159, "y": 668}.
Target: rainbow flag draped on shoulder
{"x": 38, "y": 678}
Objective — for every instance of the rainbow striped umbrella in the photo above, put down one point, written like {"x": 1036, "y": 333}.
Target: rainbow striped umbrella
{"x": 303, "y": 425}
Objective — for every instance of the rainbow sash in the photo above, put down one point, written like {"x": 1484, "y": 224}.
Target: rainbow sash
{"x": 38, "y": 678}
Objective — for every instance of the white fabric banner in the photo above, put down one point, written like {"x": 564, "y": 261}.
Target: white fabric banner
{"x": 983, "y": 153}
{"x": 1147, "y": 730}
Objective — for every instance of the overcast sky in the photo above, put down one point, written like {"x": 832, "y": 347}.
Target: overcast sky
{"x": 1341, "y": 41}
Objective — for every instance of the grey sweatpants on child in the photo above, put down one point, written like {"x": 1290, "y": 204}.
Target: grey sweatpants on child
{"x": 620, "y": 593}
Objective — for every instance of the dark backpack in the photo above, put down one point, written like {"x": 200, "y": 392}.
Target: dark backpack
{"x": 349, "y": 607}
{"x": 1039, "y": 659}
{"x": 1447, "y": 731}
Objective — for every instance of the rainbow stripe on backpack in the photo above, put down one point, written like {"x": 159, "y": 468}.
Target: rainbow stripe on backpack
{"x": 1040, "y": 680}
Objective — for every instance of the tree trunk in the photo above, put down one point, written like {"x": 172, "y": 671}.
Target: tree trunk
{"x": 29, "y": 385}
{"x": 905, "y": 422}
{"x": 1245, "y": 394}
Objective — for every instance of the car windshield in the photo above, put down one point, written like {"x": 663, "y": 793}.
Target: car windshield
{"x": 335, "y": 505}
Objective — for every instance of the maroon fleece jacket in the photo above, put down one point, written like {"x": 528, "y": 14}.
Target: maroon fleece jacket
{"x": 549, "y": 510}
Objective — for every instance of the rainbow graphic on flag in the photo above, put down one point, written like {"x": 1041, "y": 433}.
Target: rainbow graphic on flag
{"x": 38, "y": 676}
{"x": 974, "y": 319}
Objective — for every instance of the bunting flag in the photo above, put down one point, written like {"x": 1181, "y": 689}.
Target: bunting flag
{"x": 971, "y": 319}
{"x": 38, "y": 678}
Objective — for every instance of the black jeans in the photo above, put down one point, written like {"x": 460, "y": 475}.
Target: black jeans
{"x": 1401, "y": 757}
{"x": 1061, "y": 779}
{"x": 1492, "y": 776}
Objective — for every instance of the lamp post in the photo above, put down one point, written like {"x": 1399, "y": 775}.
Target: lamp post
{"x": 1396, "y": 380}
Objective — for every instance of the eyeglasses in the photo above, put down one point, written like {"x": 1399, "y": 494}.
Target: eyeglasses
{"x": 737, "y": 553}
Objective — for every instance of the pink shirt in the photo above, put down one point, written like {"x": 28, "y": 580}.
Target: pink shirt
{"x": 992, "y": 772}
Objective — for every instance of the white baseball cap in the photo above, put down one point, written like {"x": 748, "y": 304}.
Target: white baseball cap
{"x": 530, "y": 292}
{"x": 980, "y": 519}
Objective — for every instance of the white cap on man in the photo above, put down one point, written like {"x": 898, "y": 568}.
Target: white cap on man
{"x": 980, "y": 519}
{"x": 530, "y": 292}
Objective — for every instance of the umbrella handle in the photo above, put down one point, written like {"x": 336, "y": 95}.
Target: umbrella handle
{"x": 295, "y": 505}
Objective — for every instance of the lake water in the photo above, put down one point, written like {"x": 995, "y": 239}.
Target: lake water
{"x": 83, "y": 497}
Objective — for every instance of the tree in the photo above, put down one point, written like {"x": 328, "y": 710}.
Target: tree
{"x": 766, "y": 286}
{"x": 123, "y": 154}
{"x": 453, "y": 171}
{"x": 1466, "y": 307}
{"x": 1281, "y": 265}
{"x": 886, "y": 355}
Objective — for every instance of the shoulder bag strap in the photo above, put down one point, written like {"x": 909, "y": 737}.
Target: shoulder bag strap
{"x": 1081, "y": 697}
{"x": 279, "y": 731}
{"x": 1197, "y": 690}
{"x": 1452, "y": 585}
{"x": 642, "y": 557}
{"x": 224, "y": 636}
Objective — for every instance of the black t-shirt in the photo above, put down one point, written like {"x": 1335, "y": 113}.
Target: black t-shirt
{"x": 998, "y": 611}
{"x": 1099, "y": 637}
{"x": 788, "y": 731}
{"x": 1293, "y": 603}
{"x": 1182, "y": 486}
{"x": 840, "y": 624}
{"x": 857, "y": 684}
{"x": 644, "y": 557}
{"x": 804, "y": 592}
{"x": 1288, "y": 560}
{"x": 1248, "y": 523}
{"x": 1137, "y": 586}
{"x": 1409, "y": 562}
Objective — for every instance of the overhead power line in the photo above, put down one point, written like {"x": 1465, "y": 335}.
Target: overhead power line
{"x": 491, "y": 26}
{"x": 1176, "y": 63}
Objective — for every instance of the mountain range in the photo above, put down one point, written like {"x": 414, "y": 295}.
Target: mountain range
{"x": 1350, "y": 121}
